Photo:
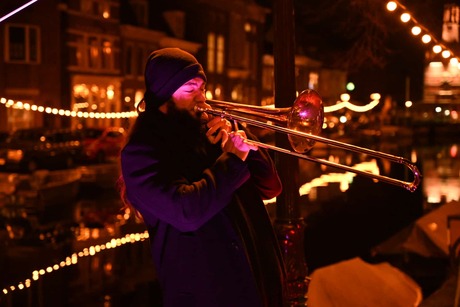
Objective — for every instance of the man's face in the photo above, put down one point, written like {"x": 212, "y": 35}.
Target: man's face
{"x": 189, "y": 95}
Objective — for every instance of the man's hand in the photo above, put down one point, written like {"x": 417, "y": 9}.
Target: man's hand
{"x": 237, "y": 143}
{"x": 218, "y": 130}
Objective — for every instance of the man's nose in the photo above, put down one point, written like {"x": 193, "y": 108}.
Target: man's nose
{"x": 200, "y": 96}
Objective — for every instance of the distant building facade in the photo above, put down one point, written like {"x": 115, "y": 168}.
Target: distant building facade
{"x": 442, "y": 75}
{"x": 85, "y": 56}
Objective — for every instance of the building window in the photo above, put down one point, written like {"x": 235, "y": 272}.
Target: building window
{"x": 76, "y": 49}
{"x": 107, "y": 58}
{"x": 95, "y": 95}
{"x": 22, "y": 44}
{"x": 19, "y": 118}
{"x": 140, "y": 62}
{"x": 93, "y": 51}
{"x": 128, "y": 60}
{"x": 140, "y": 9}
{"x": 211, "y": 52}
{"x": 313, "y": 80}
{"x": 216, "y": 53}
{"x": 220, "y": 54}
{"x": 100, "y": 8}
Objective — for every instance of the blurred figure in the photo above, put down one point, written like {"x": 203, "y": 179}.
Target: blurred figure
{"x": 199, "y": 187}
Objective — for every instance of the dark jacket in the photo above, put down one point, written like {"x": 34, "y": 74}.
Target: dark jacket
{"x": 212, "y": 240}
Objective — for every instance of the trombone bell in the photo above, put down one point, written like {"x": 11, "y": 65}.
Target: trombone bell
{"x": 306, "y": 115}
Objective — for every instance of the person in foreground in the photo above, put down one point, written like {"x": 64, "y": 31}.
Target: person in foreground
{"x": 198, "y": 187}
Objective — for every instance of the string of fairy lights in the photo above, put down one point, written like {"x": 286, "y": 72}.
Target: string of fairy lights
{"x": 74, "y": 258}
{"x": 15, "y": 104}
{"x": 417, "y": 29}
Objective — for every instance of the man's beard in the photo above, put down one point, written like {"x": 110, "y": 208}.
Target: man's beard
{"x": 191, "y": 129}
{"x": 186, "y": 121}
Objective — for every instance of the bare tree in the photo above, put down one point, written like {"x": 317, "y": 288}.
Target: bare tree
{"x": 342, "y": 33}
{"x": 355, "y": 34}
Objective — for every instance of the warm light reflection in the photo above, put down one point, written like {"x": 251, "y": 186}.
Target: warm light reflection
{"x": 73, "y": 259}
{"x": 442, "y": 176}
{"x": 344, "y": 179}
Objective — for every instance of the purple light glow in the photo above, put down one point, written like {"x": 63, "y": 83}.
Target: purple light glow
{"x": 17, "y": 10}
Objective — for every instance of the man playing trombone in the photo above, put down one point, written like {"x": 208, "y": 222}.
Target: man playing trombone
{"x": 199, "y": 187}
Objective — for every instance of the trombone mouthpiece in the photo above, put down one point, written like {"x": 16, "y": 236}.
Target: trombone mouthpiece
{"x": 199, "y": 109}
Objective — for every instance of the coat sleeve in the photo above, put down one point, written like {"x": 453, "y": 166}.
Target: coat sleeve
{"x": 183, "y": 204}
{"x": 263, "y": 170}
{"x": 264, "y": 174}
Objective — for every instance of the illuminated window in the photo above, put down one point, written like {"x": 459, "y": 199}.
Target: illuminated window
{"x": 313, "y": 80}
{"x": 216, "y": 53}
{"x": 76, "y": 47}
{"x": 100, "y": 8}
{"x": 211, "y": 52}
{"x": 22, "y": 44}
{"x": 220, "y": 54}
{"x": 92, "y": 52}
{"x": 107, "y": 54}
{"x": 17, "y": 118}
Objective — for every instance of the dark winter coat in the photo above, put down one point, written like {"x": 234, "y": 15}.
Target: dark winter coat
{"x": 212, "y": 240}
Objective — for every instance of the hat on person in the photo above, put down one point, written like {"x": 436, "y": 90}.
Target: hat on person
{"x": 166, "y": 70}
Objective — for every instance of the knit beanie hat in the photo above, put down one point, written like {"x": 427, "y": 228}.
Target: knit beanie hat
{"x": 166, "y": 70}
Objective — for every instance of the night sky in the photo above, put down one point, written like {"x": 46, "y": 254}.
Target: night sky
{"x": 327, "y": 30}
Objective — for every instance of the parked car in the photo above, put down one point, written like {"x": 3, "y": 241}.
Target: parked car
{"x": 40, "y": 148}
{"x": 102, "y": 144}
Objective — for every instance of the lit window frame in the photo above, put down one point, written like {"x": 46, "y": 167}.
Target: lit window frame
{"x": 84, "y": 47}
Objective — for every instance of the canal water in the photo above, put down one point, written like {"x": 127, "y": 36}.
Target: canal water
{"x": 89, "y": 253}
{"x": 347, "y": 216}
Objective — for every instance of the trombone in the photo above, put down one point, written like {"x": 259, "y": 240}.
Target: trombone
{"x": 302, "y": 124}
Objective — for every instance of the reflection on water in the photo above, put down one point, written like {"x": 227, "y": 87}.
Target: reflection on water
{"x": 438, "y": 164}
{"x": 89, "y": 251}
{"x": 441, "y": 169}
{"x": 84, "y": 252}
{"x": 346, "y": 215}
